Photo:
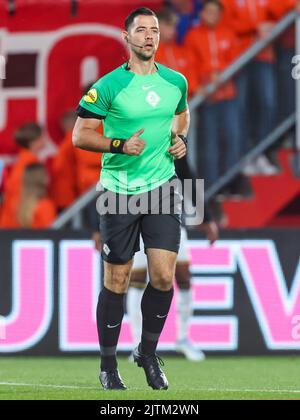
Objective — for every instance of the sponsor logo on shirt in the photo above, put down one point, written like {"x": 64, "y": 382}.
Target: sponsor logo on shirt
{"x": 91, "y": 97}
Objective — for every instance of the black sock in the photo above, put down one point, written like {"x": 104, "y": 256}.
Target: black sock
{"x": 155, "y": 308}
{"x": 110, "y": 312}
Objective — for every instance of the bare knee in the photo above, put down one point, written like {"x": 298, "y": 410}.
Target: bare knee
{"x": 162, "y": 279}
{"x": 162, "y": 265}
{"x": 138, "y": 279}
{"x": 116, "y": 278}
{"x": 183, "y": 276}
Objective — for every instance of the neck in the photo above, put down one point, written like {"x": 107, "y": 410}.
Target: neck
{"x": 210, "y": 27}
{"x": 141, "y": 67}
{"x": 167, "y": 41}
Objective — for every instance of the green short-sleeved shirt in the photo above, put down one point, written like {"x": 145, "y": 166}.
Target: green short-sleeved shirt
{"x": 128, "y": 102}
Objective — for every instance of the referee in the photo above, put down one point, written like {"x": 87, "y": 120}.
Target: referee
{"x": 146, "y": 121}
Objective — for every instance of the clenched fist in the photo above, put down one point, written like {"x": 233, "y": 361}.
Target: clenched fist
{"x": 134, "y": 146}
{"x": 178, "y": 150}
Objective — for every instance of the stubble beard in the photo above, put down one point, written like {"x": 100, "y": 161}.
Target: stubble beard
{"x": 144, "y": 57}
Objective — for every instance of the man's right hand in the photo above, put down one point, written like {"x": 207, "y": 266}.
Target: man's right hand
{"x": 134, "y": 146}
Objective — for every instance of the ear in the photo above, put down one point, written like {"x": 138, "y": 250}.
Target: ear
{"x": 125, "y": 36}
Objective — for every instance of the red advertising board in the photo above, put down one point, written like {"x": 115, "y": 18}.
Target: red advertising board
{"x": 52, "y": 51}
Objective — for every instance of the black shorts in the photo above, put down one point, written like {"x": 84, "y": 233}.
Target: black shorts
{"x": 158, "y": 220}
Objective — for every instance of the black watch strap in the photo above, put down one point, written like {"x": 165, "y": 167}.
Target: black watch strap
{"x": 184, "y": 139}
{"x": 117, "y": 146}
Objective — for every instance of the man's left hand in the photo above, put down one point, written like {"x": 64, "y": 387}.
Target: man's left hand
{"x": 96, "y": 237}
{"x": 212, "y": 231}
{"x": 178, "y": 150}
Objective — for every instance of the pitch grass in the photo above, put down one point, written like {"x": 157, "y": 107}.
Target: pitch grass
{"x": 217, "y": 378}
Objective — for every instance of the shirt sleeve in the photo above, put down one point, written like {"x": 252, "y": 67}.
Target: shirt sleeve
{"x": 97, "y": 102}
{"x": 183, "y": 103}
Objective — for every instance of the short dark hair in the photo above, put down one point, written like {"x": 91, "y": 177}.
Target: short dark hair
{"x": 27, "y": 133}
{"x": 215, "y": 2}
{"x": 166, "y": 14}
{"x": 144, "y": 11}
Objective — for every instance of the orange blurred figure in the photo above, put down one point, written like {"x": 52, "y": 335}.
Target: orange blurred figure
{"x": 251, "y": 20}
{"x": 35, "y": 210}
{"x": 30, "y": 138}
{"x": 172, "y": 54}
{"x": 74, "y": 171}
{"x": 214, "y": 47}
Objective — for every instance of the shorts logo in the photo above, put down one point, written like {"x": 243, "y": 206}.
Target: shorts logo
{"x": 116, "y": 143}
{"x": 106, "y": 249}
{"x": 91, "y": 97}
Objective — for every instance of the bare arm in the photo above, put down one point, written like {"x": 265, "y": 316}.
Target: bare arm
{"x": 181, "y": 123}
{"x": 180, "y": 126}
{"x": 86, "y": 137}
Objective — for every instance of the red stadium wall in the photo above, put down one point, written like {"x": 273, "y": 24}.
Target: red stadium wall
{"x": 51, "y": 55}
{"x": 246, "y": 294}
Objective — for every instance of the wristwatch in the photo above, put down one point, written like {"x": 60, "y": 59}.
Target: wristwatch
{"x": 183, "y": 138}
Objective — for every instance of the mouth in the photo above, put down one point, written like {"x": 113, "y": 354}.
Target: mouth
{"x": 149, "y": 45}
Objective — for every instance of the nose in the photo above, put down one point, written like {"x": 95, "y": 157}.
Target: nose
{"x": 149, "y": 34}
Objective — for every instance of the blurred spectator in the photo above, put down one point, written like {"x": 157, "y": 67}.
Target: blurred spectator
{"x": 173, "y": 55}
{"x": 252, "y": 20}
{"x": 188, "y": 15}
{"x": 31, "y": 140}
{"x": 68, "y": 121}
{"x": 286, "y": 51}
{"x": 63, "y": 185}
{"x": 2, "y": 177}
{"x": 214, "y": 48}
{"x": 88, "y": 167}
{"x": 35, "y": 210}
{"x": 74, "y": 172}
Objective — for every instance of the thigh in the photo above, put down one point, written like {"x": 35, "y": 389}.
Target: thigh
{"x": 183, "y": 276}
{"x": 120, "y": 230}
{"x": 182, "y": 273}
{"x": 138, "y": 278}
{"x": 117, "y": 276}
{"x": 160, "y": 228}
{"x": 184, "y": 256}
{"x": 140, "y": 259}
{"x": 161, "y": 231}
{"x": 161, "y": 235}
{"x": 120, "y": 237}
